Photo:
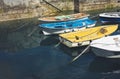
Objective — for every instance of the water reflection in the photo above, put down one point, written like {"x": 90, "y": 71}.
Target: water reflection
{"x": 53, "y": 41}
{"x": 72, "y": 51}
{"x": 104, "y": 65}
{"x": 31, "y": 63}
{"x": 49, "y": 40}
{"x": 43, "y": 57}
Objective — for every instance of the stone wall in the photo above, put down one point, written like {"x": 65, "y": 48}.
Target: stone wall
{"x": 38, "y": 8}
{"x": 34, "y": 9}
{"x": 84, "y": 7}
{"x": 47, "y": 10}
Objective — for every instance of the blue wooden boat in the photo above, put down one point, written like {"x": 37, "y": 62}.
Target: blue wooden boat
{"x": 110, "y": 17}
{"x": 68, "y": 26}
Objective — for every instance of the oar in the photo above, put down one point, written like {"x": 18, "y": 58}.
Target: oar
{"x": 80, "y": 53}
{"x": 57, "y": 44}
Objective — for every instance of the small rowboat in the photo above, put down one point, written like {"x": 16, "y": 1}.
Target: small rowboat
{"x": 63, "y": 17}
{"x": 84, "y": 37}
{"x": 67, "y": 26}
{"x": 108, "y": 47}
{"x": 111, "y": 17}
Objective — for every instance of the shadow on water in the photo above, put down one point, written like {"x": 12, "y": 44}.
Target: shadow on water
{"x": 104, "y": 65}
{"x": 49, "y": 40}
{"x": 53, "y": 41}
{"x": 72, "y": 51}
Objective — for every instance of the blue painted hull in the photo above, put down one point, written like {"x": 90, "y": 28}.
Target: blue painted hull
{"x": 68, "y": 26}
{"x": 109, "y": 20}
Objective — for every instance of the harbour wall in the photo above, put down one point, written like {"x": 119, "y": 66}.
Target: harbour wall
{"x": 39, "y": 8}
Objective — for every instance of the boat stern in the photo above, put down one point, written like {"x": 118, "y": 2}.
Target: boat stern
{"x": 73, "y": 44}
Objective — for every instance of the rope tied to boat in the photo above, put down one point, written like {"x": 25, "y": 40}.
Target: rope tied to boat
{"x": 74, "y": 59}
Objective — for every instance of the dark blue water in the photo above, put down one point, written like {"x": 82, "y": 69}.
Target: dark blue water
{"x": 42, "y": 57}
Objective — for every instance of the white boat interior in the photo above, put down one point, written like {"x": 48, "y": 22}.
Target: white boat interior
{"x": 111, "y": 14}
{"x": 109, "y": 43}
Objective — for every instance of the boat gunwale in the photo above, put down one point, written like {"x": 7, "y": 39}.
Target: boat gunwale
{"x": 105, "y": 49}
{"x": 110, "y": 15}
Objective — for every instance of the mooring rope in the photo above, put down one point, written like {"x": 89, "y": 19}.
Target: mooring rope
{"x": 32, "y": 31}
{"x": 19, "y": 27}
{"x": 94, "y": 16}
{"x": 80, "y": 53}
{"x": 23, "y": 24}
{"x": 117, "y": 44}
{"x": 57, "y": 44}
{"x": 42, "y": 38}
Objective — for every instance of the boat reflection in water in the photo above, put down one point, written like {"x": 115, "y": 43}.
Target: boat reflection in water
{"x": 73, "y": 52}
{"x": 104, "y": 65}
{"x": 48, "y": 41}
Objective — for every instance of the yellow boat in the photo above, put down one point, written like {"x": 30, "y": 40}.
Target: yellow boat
{"x": 84, "y": 37}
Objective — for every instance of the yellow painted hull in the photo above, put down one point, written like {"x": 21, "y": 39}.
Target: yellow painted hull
{"x": 77, "y": 38}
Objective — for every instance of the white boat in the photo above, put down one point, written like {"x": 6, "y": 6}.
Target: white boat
{"x": 63, "y": 17}
{"x": 108, "y": 47}
{"x": 110, "y": 17}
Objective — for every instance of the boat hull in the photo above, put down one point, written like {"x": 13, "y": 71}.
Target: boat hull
{"x": 109, "y": 20}
{"x": 108, "y": 47}
{"x": 105, "y": 53}
{"x": 68, "y": 26}
{"x": 63, "y": 18}
{"x": 110, "y": 17}
{"x": 47, "y": 31}
{"x": 73, "y": 44}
